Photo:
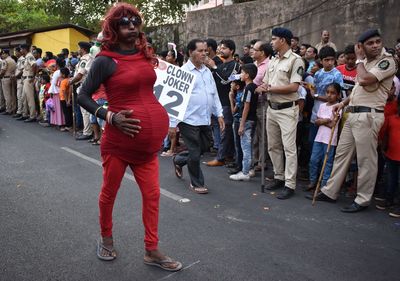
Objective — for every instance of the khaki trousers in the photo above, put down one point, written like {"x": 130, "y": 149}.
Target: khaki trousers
{"x": 87, "y": 127}
{"x": 29, "y": 95}
{"x": 281, "y": 132}
{"x": 20, "y": 97}
{"x": 8, "y": 90}
{"x": 257, "y": 136}
{"x": 359, "y": 136}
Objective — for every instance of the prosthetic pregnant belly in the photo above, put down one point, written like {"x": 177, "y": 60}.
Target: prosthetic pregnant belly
{"x": 144, "y": 146}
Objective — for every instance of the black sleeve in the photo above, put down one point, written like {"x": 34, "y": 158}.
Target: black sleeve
{"x": 101, "y": 69}
{"x": 224, "y": 72}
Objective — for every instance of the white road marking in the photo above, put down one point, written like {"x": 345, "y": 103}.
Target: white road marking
{"x": 172, "y": 274}
{"x": 164, "y": 192}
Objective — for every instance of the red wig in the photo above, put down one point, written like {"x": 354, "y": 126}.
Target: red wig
{"x": 110, "y": 28}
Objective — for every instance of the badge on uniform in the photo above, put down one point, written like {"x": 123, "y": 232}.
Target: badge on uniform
{"x": 83, "y": 64}
{"x": 300, "y": 71}
{"x": 384, "y": 64}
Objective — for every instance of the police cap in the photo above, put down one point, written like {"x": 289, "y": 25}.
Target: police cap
{"x": 282, "y": 33}
{"x": 5, "y": 51}
{"x": 85, "y": 45}
{"x": 368, "y": 34}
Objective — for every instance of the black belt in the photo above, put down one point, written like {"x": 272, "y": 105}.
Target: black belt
{"x": 24, "y": 77}
{"x": 359, "y": 109}
{"x": 279, "y": 106}
{"x": 6, "y": 76}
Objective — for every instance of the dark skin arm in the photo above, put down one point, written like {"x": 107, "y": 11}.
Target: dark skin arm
{"x": 364, "y": 77}
{"x": 245, "y": 113}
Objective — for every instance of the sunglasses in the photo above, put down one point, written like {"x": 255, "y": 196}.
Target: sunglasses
{"x": 135, "y": 20}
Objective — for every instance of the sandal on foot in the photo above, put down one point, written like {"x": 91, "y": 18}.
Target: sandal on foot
{"x": 163, "y": 264}
{"x": 198, "y": 189}
{"x": 111, "y": 253}
{"x": 96, "y": 142}
{"x": 178, "y": 169}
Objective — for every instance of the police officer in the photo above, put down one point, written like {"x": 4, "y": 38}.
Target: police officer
{"x": 80, "y": 76}
{"x": 6, "y": 74}
{"x": 18, "y": 76}
{"x": 281, "y": 81}
{"x": 28, "y": 89}
{"x": 375, "y": 72}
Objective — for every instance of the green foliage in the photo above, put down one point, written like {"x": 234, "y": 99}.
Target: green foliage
{"x": 26, "y": 14}
{"x": 19, "y": 15}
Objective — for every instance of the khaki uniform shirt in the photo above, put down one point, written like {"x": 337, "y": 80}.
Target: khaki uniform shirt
{"x": 320, "y": 45}
{"x": 9, "y": 66}
{"x": 383, "y": 68}
{"x": 28, "y": 65}
{"x": 282, "y": 72}
{"x": 20, "y": 65}
{"x": 83, "y": 66}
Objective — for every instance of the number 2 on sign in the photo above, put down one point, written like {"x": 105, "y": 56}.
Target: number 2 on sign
{"x": 169, "y": 107}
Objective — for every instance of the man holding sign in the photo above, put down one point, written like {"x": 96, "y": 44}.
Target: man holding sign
{"x": 195, "y": 125}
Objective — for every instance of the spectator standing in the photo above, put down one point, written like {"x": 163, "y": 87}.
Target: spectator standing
{"x": 222, "y": 74}
{"x": 325, "y": 41}
{"x": 247, "y": 120}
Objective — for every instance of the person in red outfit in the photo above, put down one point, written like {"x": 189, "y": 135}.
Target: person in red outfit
{"x": 136, "y": 126}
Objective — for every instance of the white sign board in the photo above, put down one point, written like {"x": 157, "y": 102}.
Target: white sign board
{"x": 173, "y": 88}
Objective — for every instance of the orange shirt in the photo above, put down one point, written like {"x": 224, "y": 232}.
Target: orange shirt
{"x": 64, "y": 89}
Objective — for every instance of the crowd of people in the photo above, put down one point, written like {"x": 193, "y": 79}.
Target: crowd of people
{"x": 308, "y": 91}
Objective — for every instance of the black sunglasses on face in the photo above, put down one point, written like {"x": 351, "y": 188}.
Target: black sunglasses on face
{"x": 135, "y": 20}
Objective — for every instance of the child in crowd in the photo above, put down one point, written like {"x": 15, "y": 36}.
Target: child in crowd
{"x": 247, "y": 120}
{"x": 324, "y": 77}
{"x": 65, "y": 99}
{"x": 325, "y": 121}
{"x": 43, "y": 97}
{"x": 235, "y": 97}
{"x": 348, "y": 70}
{"x": 100, "y": 97}
{"x": 389, "y": 139}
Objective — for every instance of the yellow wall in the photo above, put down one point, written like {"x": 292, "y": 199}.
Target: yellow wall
{"x": 55, "y": 40}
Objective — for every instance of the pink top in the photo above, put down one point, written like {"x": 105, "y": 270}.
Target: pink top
{"x": 262, "y": 67}
{"x": 324, "y": 132}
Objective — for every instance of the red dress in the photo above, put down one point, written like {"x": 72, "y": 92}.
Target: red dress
{"x": 131, "y": 88}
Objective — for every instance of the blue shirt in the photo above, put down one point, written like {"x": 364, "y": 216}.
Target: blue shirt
{"x": 322, "y": 79}
{"x": 203, "y": 100}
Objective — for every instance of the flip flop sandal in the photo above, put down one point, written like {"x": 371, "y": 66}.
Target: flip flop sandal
{"x": 178, "y": 169}
{"x": 198, "y": 190}
{"x": 163, "y": 264}
{"x": 112, "y": 254}
{"x": 96, "y": 142}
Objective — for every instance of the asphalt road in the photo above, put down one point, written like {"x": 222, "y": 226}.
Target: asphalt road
{"x": 49, "y": 185}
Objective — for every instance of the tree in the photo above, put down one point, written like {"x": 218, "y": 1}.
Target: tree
{"x": 19, "y": 15}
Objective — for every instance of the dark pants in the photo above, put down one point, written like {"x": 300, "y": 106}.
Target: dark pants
{"x": 77, "y": 109}
{"x": 226, "y": 147}
{"x": 216, "y": 132}
{"x": 67, "y": 110}
{"x": 393, "y": 179}
{"x": 197, "y": 140}
{"x": 238, "y": 147}
{"x": 302, "y": 140}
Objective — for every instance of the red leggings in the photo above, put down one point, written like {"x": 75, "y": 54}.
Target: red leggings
{"x": 146, "y": 176}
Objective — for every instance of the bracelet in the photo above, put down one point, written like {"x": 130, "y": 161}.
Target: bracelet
{"x": 95, "y": 113}
{"x": 109, "y": 117}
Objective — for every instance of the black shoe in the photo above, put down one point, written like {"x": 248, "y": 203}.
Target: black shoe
{"x": 234, "y": 171}
{"x": 384, "y": 205}
{"x": 286, "y": 193}
{"x": 22, "y": 118}
{"x": 353, "y": 208}
{"x": 231, "y": 165}
{"x": 5, "y": 113}
{"x": 83, "y": 137}
{"x": 2, "y": 110}
{"x": 275, "y": 184}
{"x": 17, "y": 115}
{"x": 320, "y": 197}
{"x": 30, "y": 120}
{"x": 310, "y": 186}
